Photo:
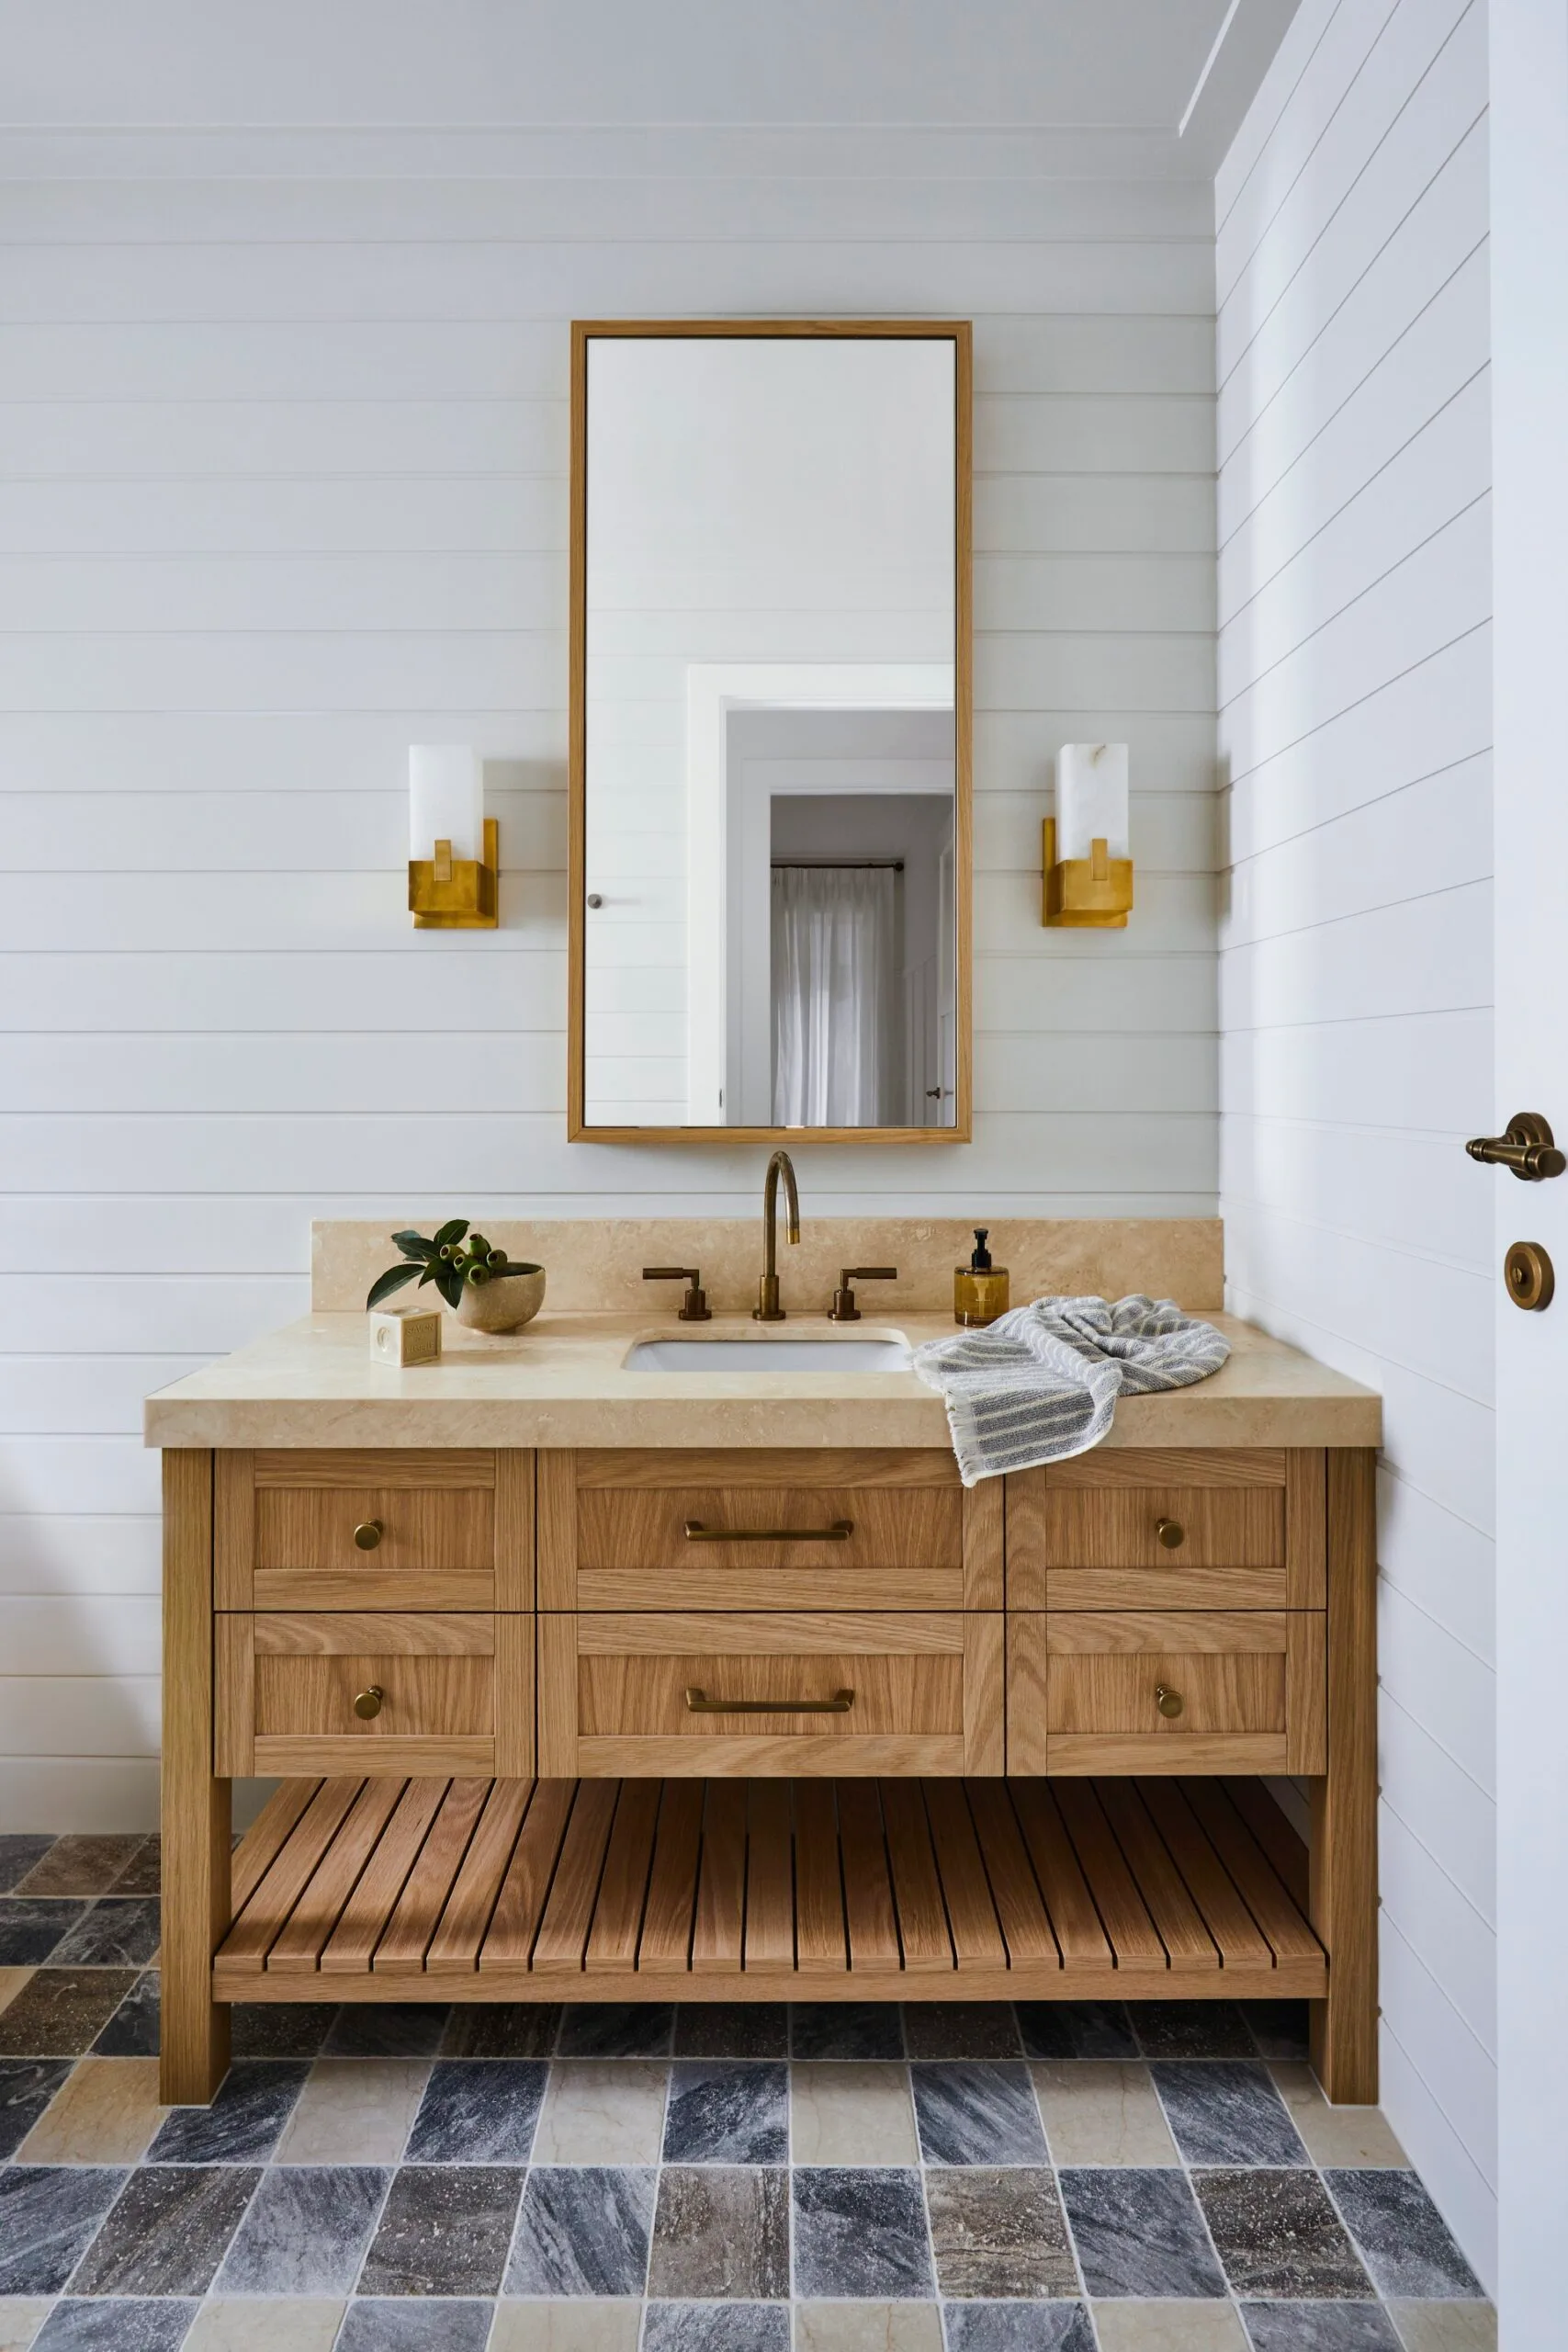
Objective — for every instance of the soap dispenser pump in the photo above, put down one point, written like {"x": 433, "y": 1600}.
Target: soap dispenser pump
{"x": 979, "y": 1289}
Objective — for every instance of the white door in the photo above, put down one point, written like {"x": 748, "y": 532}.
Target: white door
{"x": 1530, "y": 351}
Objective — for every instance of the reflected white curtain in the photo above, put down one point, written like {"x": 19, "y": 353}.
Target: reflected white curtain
{"x": 834, "y": 978}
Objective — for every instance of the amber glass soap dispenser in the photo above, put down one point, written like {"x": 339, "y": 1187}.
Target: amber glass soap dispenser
{"x": 979, "y": 1289}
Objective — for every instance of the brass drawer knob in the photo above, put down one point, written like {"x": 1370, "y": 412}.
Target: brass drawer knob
{"x": 367, "y": 1703}
{"x": 1171, "y": 1534}
{"x": 1170, "y": 1703}
{"x": 368, "y": 1533}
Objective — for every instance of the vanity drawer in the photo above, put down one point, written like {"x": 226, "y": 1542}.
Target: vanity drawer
{"x": 369, "y": 1692}
{"x": 388, "y": 1530}
{"x": 1168, "y": 1530}
{"x": 753, "y": 1530}
{"x": 883, "y": 1692}
{"x": 1144, "y": 1691}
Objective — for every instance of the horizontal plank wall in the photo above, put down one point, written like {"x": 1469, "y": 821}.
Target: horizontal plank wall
{"x": 286, "y": 422}
{"x": 1356, "y": 976}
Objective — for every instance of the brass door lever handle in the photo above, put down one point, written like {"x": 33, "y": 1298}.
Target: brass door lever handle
{"x": 1525, "y": 1148}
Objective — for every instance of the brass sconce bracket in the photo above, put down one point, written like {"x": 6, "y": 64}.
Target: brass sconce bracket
{"x": 447, "y": 893}
{"x": 1092, "y": 893}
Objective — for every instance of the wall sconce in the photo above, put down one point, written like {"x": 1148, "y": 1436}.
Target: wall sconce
{"x": 454, "y": 848}
{"x": 1084, "y": 849}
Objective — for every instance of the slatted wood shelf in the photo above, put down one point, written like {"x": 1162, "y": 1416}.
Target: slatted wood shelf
{"x": 648, "y": 1890}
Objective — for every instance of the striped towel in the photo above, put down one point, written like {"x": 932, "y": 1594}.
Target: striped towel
{"x": 1042, "y": 1382}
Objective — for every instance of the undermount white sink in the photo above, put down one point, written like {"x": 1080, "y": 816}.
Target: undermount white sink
{"x": 740, "y": 1353}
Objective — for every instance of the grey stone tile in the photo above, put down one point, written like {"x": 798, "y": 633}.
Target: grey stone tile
{"x": 448, "y": 2324}
{"x": 999, "y": 2232}
{"x": 1278, "y": 2235}
{"x": 976, "y": 2113}
{"x": 84, "y": 1865}
{"x": 849, "y": 2030}
{"x": 26, "y": 2085}
{"x": 1191, "y": 2029}
{"x": 1018, "y": 2328}
{"x": 479, "y": 2111}
{"x": 305, "y": 2230}
{"x": 244, "y": 2123}
{"x": 716, "y": 2327}
{"x": 721, "y": 2232}
{"x": 143, "y": 1872}
{"x": 31, "y": 1932}
{"x": 1076, "y": 2030}
{"x": 732, "y": 2030}
{"x": 1228, "y": 2111}
{"x": 115, "y": 2326}
{"x": 500, "y": 2029}
{"x": 616, "y": 2029}
{"x": 47, "y": 2216}
{"x": 386, "y": 2029}
{"x": 1406, "y": 2242}
{"x": 1278, "y": 2027}
{"x": 727, "y": 2111}
{"x": 1320, "y": 2327}
{"x": 280, "y": 2028}
{"x": 961, "y": 2029}
{"x": 132, "y": 2031}
{"x": 168, "y": 2232}
{"x": 121, "y": 1931}
{"x": 1139, "y": 2233}
{"x": 60, "y": 2012}
{"x": 860, "y": 2232}
{"x": 583, "y": 2230}
{"x": 444, "y": 2231}
{"x": 18, "y": 1855}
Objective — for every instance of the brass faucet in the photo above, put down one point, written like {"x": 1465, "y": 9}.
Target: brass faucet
{"x": 767, "y": 1309}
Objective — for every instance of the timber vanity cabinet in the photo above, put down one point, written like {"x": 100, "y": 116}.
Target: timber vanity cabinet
{"x": 635, "y": 1725}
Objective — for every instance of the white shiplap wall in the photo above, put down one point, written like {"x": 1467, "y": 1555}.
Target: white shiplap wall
{"x": 282, "y": 490}
{"x": 1356, "y": 969}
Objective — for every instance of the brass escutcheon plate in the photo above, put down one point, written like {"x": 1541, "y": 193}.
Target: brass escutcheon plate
{"x": 1528, "y": 1276}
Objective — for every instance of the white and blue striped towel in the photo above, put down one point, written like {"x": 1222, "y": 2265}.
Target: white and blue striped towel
{"x": 1042, "y": 1382}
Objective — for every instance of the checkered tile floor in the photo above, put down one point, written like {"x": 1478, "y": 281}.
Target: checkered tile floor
{"x": 1162, "y": 2177}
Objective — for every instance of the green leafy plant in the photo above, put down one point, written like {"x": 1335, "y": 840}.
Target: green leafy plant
{"x": 451, "y": 1259}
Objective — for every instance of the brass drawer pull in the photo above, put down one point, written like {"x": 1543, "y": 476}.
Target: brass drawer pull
{"x": 1171, "y": 1534}
{"x": 368, "y": 1533}
{"x": 367, "y": 1703}
{"x": 1170, "y": 1703}
{"x": 840, "y": 1532}
{"x": 699, "y": 1704}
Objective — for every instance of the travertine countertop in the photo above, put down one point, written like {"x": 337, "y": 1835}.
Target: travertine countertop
{"x": 560, "y": 1382}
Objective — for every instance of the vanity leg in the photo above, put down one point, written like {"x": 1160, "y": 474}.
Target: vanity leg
{"x": 1343, "y": 1884}
{"x": 194, "y": 1808}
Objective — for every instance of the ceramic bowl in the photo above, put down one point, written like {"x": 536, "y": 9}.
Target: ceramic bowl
{"x": 504, "y": 1305}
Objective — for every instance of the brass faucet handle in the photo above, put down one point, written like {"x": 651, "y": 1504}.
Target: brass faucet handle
{"x": 693, "y": 1308}
{"x": 843, "y": 1309}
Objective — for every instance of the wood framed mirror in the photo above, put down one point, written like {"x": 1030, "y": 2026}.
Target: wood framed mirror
{"x": 770, "y": 852}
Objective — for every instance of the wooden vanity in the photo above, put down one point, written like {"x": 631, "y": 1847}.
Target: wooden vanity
{"x": 739, "y": 1721}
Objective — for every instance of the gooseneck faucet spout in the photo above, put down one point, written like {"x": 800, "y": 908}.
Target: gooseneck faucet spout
{"x": 767, "y": 1309}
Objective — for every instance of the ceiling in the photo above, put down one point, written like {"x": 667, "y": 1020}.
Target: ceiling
{"x": 970, "y": 65}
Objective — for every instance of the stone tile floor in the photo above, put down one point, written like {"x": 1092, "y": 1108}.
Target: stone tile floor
{"x": 1161, "y": 2177}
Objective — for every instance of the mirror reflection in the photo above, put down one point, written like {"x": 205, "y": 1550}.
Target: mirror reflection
{"x": 770, "y": 847}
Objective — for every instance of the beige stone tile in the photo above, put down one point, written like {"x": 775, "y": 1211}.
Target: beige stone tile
{"x": 587, "y": 2324}
{"x": 867, "y": 2327}
{"x": 602, "y": 2112}
{"x": 267, "y": 2323}
{"x": 21, "y": 2316}
{"x": 105, "y": 2112}
{"x": 1160, "y": 2327}
{"x": 1334, "y": 2135}
{"x": 1101, "y": 2111}
{"x": 11, "y": 1983}
{"x": 80, "y": 1865}
{"x": 354, "y": 2111}
{"x": 852, "y": 2115}
{"x": 1446, "y": 2327}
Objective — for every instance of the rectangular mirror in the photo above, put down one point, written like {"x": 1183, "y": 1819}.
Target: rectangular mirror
{"x": 770, "y": 732}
